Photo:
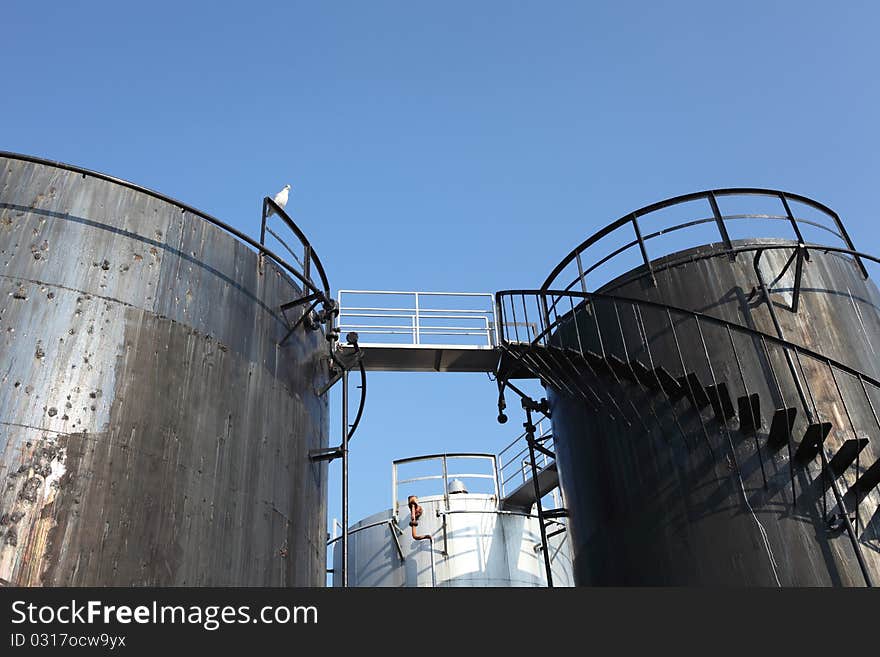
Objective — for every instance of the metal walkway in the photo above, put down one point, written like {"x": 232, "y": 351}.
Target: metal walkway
{"x": 421, "y": 331}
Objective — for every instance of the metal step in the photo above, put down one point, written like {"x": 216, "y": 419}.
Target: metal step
{"x": 580, "y": 363}
{"x": 749, "y": 413}
{"x": 846, "y": 455}
{"x": 668, "y": 383}
{"x": 780, "y": 427}
{"x": 599, "y": 364}
{"x": 561, "y": 367}
{"x": 644, "y": 376}
{"x": 719, "y": 398}
{"x": 811, "y": 443}
{"x": 869, "y": 479}
{"x": 694, "y": 390}
{"x": 620, "y": 368}
{"x": 561, "y": 530}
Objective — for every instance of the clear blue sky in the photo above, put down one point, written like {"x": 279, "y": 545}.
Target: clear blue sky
{"x": 449, "y": 146}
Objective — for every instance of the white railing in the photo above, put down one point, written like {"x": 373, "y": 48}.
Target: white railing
{"x": 514, "y": 464}
{"x": 430, "y": 319}
{"x": 420, "y": 465}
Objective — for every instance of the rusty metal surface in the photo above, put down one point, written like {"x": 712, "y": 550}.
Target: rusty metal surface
{"x": 654, "y": 492}
{"x": 152, "y": 432}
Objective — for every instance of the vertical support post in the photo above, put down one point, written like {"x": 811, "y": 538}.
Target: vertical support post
{"x": 445, "y": 483}
{"x": 500, "y": 335}
{"x": 545, "y": 547}
{"x": 496, "y": 320}
{"x": 647, "y": 261}
{"x": 722, "y": 229}
{"x": 798, "y": 276}
{"x": 546, "y": 312}
{"x": 581, "y": 277}
{"x": 416, "y": 320}
{"x": 307, "y": 261}
{"x": 849, "y": 243}
{"x": 345, "y": 479}
{"x": 262, "y": 258}
{"x": 394, "y": 511}
{"x": 791, "y": 219}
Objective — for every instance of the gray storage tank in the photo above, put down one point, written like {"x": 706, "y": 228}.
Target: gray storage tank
{"x": 153, "y": 430}
{"x": 715, "y": 410}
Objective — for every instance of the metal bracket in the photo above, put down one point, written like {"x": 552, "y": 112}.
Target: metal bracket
{"x": 542, "y": 407}
{"x": 314, "y": 296}
{"x": 326, "y": 454}
{"x": 802, "y": 253}
{"x": 341, "y": 365}
{"x": 394, "y": 530}
{"x": 539, "y": 447}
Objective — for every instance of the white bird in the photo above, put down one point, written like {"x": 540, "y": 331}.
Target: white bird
{"x": 280, "y": 199}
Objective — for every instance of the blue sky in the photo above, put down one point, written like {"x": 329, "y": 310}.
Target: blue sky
{"x": 448, "y": 146}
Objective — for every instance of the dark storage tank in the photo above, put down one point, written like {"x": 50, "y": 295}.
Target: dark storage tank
{"x": 152, "y": 430}
{"x": 714, "y": 411}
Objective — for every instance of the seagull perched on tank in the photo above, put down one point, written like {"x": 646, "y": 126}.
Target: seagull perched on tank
{"x": 280, "y": 199}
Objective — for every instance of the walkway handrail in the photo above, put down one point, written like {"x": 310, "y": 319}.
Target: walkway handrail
{"x": 719, "y": 219}
{"x": 420, "y": 322}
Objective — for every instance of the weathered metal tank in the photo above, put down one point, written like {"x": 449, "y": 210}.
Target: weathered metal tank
{"x": 714, "y": 410}
{"x": 153, "y": 428}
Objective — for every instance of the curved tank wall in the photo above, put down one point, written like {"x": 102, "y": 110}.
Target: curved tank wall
{"x": 152, "y": 431}
{"x": 663, "y": 492}
{"x": 483, "y": 548}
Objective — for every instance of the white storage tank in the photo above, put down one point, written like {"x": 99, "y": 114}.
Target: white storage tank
{"x": 467, "y": 539}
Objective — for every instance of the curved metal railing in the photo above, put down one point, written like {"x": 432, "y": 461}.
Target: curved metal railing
{"x": 629, "y": 229}
{"x": 309, "y": 257}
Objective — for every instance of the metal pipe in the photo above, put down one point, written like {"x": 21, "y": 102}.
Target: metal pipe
{"x": 415, "y": 511}
{"x": 345, "y": 479}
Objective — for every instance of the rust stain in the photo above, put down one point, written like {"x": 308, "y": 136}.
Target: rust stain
{"x": 30, "y": 495}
